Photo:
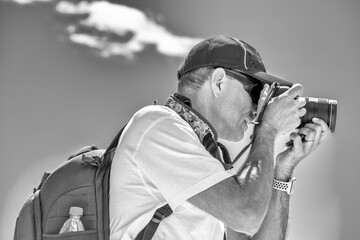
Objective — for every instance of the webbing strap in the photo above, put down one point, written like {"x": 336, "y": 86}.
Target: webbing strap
{"x": 160, "y": 214}
{"x": 37, "y": 215}
{"x": 115, "y": 141}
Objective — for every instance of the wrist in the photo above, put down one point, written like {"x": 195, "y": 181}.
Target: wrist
{"x": 266, "y": 129}
{"x": 283, "y": 173}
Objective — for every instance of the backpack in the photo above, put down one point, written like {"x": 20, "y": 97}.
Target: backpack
{"x": 82, "y": 181}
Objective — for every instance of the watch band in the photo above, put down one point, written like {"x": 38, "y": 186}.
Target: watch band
{"x": 284, "y": 186}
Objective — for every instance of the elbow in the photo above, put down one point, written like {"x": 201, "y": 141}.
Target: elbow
{"x": 250, "y": 214}
{"x": 249, "y": 222}
{"x": 255, "y": 219}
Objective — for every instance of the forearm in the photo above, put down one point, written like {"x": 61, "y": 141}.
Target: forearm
{"x": 275, "y": 222}
{"x": 255, "y": 177}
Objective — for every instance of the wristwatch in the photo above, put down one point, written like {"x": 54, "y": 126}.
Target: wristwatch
{"x": 285, "y": 186}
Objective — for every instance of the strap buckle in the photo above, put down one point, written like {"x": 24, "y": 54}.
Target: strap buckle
{"x": 210, "y": 144}
{"x": 92, "y": 160}
{"x": 159, "y": 215}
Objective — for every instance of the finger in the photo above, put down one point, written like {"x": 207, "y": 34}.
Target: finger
{"x": 325, "y": 130}
{"x": 295, "y": 91}
{"x": 317, "y": 129}
{"x": 297, "y": 143}
{"x": 302, "y": 102}
{"x": 322, "y": 123}
{"x": 264, "y": 92}
{"x": 301, "y": 112}
{"x": 308, "y": 133}
{"x": 266, "y": 87}
{"x": 304, "y": 147}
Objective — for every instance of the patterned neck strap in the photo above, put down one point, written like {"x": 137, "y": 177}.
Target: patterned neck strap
{"x": 198, "y": 123}
{"x": 203, "y": 129}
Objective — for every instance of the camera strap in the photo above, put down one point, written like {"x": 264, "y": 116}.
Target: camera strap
{"x": 272, "y": 90}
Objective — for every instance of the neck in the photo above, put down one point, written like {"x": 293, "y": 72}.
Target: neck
{"x": 212, "y": 110}
{"x": 199, "y": 102}
{"x": 202, "y": 103}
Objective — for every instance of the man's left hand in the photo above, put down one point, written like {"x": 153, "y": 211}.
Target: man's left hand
{"x": 305, "y": 141}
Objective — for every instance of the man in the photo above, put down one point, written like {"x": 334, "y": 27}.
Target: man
{"x": 169, "y": 155}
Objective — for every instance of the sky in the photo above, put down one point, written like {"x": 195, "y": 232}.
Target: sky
{"x": 72, "y": 74}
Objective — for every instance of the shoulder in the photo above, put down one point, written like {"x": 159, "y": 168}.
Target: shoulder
{"x": 159, "y": 127}
{"x": 157, "y": 117}
{"x": 152, "y": 115}
{"x": 155, "y": 112}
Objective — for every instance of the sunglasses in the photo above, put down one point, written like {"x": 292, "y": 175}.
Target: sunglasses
{"x": 251, "y": 85}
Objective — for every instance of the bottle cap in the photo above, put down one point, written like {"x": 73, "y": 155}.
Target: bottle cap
{"x": 76, "y": 211}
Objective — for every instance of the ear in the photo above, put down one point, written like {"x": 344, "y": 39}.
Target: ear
{"x": 218, "y": 78}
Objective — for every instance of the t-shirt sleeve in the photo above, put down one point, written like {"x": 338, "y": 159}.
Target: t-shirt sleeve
{"x": 170, "y": 154}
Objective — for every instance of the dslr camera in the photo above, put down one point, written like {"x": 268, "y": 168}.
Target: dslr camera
{"x": 323, "y": 108}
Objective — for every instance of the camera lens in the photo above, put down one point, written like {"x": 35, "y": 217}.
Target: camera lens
{"x": 325, "y": 109}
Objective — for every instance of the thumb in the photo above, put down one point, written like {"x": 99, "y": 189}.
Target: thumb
{"x": 263, "y": 94}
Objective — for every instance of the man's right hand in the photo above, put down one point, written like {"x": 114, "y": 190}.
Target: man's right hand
{"x": 283, "y": 112}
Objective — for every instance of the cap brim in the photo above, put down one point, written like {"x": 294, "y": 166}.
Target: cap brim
{"x": 267, "y": 78}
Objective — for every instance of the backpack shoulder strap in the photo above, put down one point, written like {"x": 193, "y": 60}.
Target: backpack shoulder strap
{"x": 160, "y": 214}
{"x": 113, "y": 145}
{"x": 37, "y": 215}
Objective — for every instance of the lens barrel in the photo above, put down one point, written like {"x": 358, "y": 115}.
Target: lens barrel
{"x": 325, "y": 109}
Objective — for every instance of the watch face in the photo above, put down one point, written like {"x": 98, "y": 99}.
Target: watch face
{"x": 291, "y": 185}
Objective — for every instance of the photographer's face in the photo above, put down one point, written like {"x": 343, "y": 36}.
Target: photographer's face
{"x": 235, "y": 110}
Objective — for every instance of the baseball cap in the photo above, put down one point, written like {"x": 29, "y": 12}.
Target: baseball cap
{"x": 229, "y": 53}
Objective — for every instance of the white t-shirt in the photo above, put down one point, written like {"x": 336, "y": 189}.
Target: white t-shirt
{"x": 161, "y": 160}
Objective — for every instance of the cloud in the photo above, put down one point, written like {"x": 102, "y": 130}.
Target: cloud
{"x": 114, "y": 29}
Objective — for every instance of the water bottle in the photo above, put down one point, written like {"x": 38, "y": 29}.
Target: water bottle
{"x": 73, "y": 224}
